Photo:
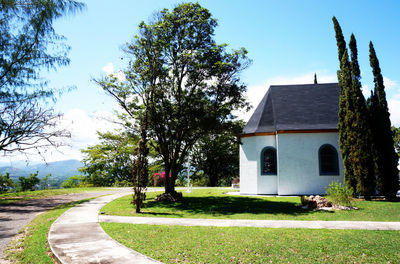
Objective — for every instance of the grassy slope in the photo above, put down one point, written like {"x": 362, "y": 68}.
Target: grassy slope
{"x": 257, "y": 245}
{"x": 32, "y": 246}
{"x": 212, "y": 203}
{"x": 19, "y": 196}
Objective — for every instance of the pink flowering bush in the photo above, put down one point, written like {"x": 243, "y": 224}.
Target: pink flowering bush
{"x": 159, "y": 178}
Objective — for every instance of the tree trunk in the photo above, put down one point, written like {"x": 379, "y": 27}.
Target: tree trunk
{"x": 169, "y": 187}
{"x": 174, "y": 173}
{"x": 140, "y": 167}
{"x": 167, "y": 180}
{"x": 213, "y": 180}
{"x": 170, "y": 181}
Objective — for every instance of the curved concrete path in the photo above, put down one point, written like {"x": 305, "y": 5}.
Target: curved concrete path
{"x": 76, "y": 237}
{"x": 14, "y": 216}
{"x": 364, "y": 225}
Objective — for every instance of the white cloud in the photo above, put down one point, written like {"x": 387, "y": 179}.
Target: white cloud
{"x": 120, "y": 76}
{"x": 109, "y": 68}
{"x": 366, "y": 90}
{"x": 83, "y": 129}
{"x": 256, "y": 92}
{"x": 392, "y": 89}
{"x": 394, "y": 109}
{"x": 389, "y": 84}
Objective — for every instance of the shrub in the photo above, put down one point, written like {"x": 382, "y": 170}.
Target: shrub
{"x": 83, "y": 184}
{"x": 72, "y": 182}
{"x": 304, "y": 200}
{"x": 28, "y": 184}
{"x": 180, "y": 183}
{"x": 122, "y": 183}
{"x": 6, "y": 183}
{"x": 45, "y": 181}
{"x": 236, "y": 180}
{"x": 200, "y": 182}
{"x": 339, "y": 194}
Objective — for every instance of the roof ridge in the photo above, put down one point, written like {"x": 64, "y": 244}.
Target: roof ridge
{"x": 265, "y": 104}
{"x": 273, "y": 111}
{"x": 303, "y": 84}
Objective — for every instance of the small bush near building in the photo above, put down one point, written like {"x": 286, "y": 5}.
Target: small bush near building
{"x": 339, "y": 194}
{"x": 304, "y": 200}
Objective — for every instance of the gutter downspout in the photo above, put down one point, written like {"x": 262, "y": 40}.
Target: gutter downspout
{"x": 277, "y": 163}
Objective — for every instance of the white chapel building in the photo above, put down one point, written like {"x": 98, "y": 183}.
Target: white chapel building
{"x": 290, "y": 145}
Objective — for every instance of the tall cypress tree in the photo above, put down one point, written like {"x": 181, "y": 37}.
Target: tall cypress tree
{"x": 355, "y": 139}
{"x": 361, "y": 148}
{"x": 386, "y": 157}
{"x": 341, "y": 43}
{"x": 344, "y": 120}
{"x": 347, "y": 139}
{"x": 315, "y": 78}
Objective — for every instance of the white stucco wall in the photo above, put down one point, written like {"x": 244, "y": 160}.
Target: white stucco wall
{"x": 299, "y": 163}
{"x": 251, "y": 180}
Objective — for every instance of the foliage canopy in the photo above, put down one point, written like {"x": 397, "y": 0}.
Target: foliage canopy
{"x": 29, "y": 45}
{"x": 216, "y": 156}
{"x": 186, "y": 82}
{"x": 365, "y": 136}
{"x": 385, "y": 154}
{"x": 110, "y": 161}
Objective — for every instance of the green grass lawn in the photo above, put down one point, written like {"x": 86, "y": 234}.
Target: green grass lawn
{"x": 178, "y": 244}
{"x": 20, "y": 196}
{"x": 32, "y": 246}
{"x": 213, "y": 203}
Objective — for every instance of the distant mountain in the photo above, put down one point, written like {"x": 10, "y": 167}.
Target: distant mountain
{"x": 60, "y": 170}
{"x": 18, "y": 163}
{"x": 13, "y": 171}
{"x": 63, "y": 169}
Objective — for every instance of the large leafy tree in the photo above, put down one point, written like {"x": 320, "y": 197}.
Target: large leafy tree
{"x": 111, "y": 160}
{"x": 386, "y": 157}
{"x": 29, "y": 45}
{"x": 191, "y": 84}
{"x": 217, "y": 156}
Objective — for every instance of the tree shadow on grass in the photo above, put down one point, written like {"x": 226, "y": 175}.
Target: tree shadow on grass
{"x": 6, "y": 200}
{"x": 36, "y": 206}
{"x": 394, "y": 200}
{"x": 161, "y": 214}
{"x": 229, "y": 205}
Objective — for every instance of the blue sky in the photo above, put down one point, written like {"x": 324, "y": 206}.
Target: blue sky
{"x": 287, "y": 40}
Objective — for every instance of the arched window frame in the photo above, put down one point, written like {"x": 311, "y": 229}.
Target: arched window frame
{"x": 335, "y": 161}
{"x": 262, "y": 161}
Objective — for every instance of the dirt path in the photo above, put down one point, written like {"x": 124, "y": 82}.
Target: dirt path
{"x": 14, "y": 216}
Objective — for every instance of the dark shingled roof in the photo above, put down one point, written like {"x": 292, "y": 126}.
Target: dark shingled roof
{"x": 296, "y": 107}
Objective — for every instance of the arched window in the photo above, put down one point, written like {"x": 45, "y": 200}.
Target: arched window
{"x": 268, "y": 161}
{"x": 328, "y": 160}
